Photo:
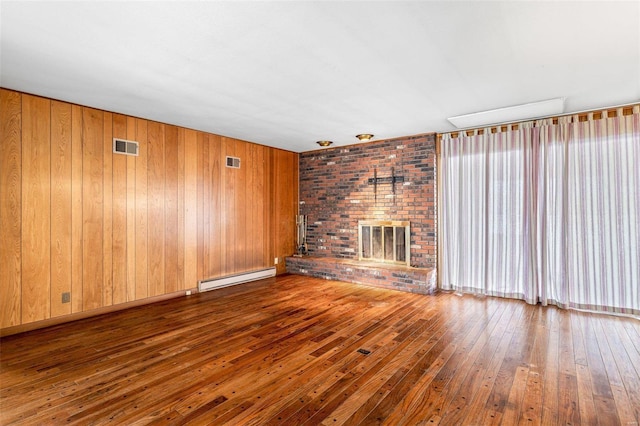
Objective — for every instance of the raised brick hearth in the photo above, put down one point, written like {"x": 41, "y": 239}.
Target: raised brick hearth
{"x": 395, "y": 277}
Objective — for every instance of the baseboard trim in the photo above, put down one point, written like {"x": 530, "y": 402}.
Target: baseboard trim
{"x": 16, "y": 329}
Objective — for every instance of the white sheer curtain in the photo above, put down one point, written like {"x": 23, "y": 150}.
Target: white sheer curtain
{"x": 546, "y": 213}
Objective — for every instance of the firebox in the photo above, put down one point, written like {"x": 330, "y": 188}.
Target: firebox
{"x": 386, "y": 241}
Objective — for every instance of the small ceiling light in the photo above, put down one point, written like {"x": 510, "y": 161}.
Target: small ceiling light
{"x": 324, "y": 143}
{"x": 365, "y": 137}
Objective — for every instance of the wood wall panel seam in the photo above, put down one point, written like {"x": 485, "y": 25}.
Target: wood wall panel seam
{"x": 107, "y": 219}
{"x": 10, "y": 208}
{"x": 36, "y": 209}
{"x": 118, "y": 215}
{"x": 180, "y": 246}
{"x": 141, "y": 212}
{"x": 60, "y": 207}
{"x": 76, "y": 210}
{"x": 131, "y": 215}
{"x": 92, "y": 208}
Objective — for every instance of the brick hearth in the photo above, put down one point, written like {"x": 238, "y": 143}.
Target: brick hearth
{"x": 395, "y": 277}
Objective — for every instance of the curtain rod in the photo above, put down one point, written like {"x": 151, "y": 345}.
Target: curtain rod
{"x": 612, "y": 111}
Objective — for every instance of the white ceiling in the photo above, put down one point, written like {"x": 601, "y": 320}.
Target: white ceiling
{"x": 287, "y": 74}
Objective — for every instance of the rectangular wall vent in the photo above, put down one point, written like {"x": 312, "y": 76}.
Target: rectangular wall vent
{"x": 121, "y": 146}
{"x": 233, "y": 162}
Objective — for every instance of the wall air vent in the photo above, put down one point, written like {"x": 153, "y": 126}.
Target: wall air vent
{"x": 121, "y": 146}
{"x": 233, "y": 162}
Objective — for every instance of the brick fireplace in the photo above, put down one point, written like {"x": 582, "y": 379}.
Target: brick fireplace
{"x": 389, "y": 180}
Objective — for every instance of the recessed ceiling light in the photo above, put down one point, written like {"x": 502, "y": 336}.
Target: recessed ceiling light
{"x": 364, "y": 137}
{"x": 324, "y": 143}
{"x": 509, "y": 114}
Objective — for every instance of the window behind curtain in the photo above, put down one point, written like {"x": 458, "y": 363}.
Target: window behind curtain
{"x": 547, "y": 213}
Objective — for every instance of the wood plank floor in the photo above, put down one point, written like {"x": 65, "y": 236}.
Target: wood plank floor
{"x": 285, "y": 351}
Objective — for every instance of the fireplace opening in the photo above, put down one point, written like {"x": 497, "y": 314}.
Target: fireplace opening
{"x": 385, "y": 241}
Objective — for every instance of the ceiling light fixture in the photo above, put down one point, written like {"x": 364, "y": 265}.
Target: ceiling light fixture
{"x": 324, "y": 144}
{"x": 364, "y": 137}
{"x": 509, "y": 114}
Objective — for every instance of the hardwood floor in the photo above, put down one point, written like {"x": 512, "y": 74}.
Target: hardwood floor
{"x": 285, "y": 351}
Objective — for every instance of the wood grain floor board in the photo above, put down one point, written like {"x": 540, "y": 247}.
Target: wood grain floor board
{"x": 395, "y": 365}
{"x": 455, "y": 411}
{"x": 388, "y": 351}
{"x": 283, "y": 351}
{"x": 474, "y": 412}
{"x": 424, "y": 370}
{"x": 628, "y": 363}
{"x": 428, "y": 398}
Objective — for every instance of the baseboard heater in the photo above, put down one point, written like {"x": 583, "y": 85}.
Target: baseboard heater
{"x": 228, "y": 280}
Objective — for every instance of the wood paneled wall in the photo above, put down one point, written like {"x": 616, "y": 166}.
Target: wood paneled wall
{"x": 110, "y": 228}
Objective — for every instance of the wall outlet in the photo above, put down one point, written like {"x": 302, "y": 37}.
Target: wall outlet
{"x": 188, "y": 292}
{"x": 275, "y": 261}
{"x": 66, "y": 297}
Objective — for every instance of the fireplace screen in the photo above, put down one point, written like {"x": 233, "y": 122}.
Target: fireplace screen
{"x": 384, "y": 241}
